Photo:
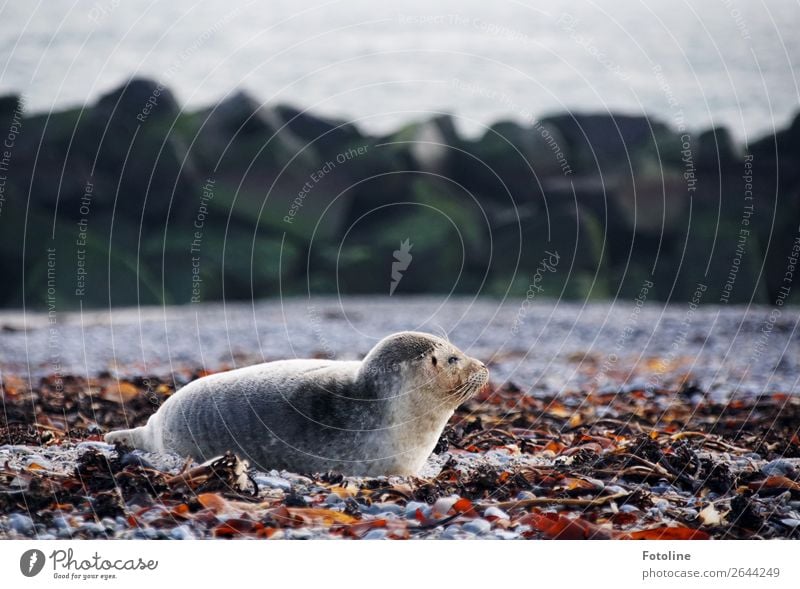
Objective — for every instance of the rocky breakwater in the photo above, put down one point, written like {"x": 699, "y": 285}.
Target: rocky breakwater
{"x": 133, "y": 200}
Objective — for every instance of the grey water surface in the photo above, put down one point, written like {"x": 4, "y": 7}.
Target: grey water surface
{"x": 542, "y": 346}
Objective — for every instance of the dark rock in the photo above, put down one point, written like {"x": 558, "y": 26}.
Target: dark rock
{"x": 261, "y": 167}
{"x": 131, "y": 459}
{"x": 329, "y": 136}
{"x": 241, "y": 129}
{"x": 447, "y": 237}
{"x": 780, "y": 467}
{"x": 142, "y": 165}
{"x": 510, "y": 165}
{"x": 431, "y": 144}
{"x": 785, "y": 142}
{"x": 523, "y": 154}
{"x": 242, "y": 114}
{"x": 139, "y": 101}
{"x": 44, "y": 164}
{"x": 609, "y": 143}
{"x": 717, "y": 148}
{"x": 653, "y": 200}
{"x": 608, "y": 191}
{"x": 105, "y": 167}
{"x": 8, "y": 104}
{"x": 711, "y": 247}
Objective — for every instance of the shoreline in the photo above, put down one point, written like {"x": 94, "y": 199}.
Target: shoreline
{"x": 565, "y": 346}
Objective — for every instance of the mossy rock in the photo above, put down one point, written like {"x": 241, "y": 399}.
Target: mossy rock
{"x": 445, "y": 237}
{"x": 710, "y": 258}
{"x": 573, "y": 236}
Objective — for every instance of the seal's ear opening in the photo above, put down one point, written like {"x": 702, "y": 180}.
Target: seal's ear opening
{"x": 434, "y": 361}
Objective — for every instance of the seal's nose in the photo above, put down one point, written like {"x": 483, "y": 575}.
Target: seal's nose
{"x": 480, "y": 370}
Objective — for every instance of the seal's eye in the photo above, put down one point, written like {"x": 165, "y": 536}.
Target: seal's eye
{"x": 452, "y": 360}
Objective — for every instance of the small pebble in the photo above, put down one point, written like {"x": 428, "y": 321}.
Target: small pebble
{"x": 12, "y": 449}
{"x": 375, "y": 535}
{"x": 443, "y": 505}
{"x": 499, "y": 457}
{"x": 93, "y": 528}
{"x": 615, "y": 489}
{"x": 151, "y": 515}
{"x": 378, "y": 508}
{"x": 131, "y": 459}
{"x": 293, "y": 478}
{"x": 60, "y": 522}
{"x": 780, "y": 468}
{"x": 333, "y": 499}
{"x": 452, "y": 532}
{"x": 273, "y": 482}
{"x": 600, "y": 485}
{"x": 37, "y": 459}
{"x": 412, "y": 506}
{"x": 495, "y": 512}
{"x": 20, "y": 523}
{"x": 477, "y": 526}
{"x": 18, "y": 483}
{"x": 181, "y": 532}
{"x": 95, "y": 446}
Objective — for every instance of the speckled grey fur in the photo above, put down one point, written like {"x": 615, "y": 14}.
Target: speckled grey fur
{"x": 380, "y": 416}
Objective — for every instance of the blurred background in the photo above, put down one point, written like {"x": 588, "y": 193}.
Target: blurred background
{"x": 524, "y": 153}
{"x": 180, "y": 151}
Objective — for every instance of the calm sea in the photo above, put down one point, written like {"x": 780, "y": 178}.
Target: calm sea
{"x": 697, "y": 63}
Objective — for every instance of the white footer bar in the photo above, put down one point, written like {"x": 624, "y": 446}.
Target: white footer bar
{"x": 401, "y": 564}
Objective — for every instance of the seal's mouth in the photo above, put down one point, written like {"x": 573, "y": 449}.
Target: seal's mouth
{"x": 476, "y": 381}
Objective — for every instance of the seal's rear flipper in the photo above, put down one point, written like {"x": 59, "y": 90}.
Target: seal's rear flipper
{"x": 134, "y": 438}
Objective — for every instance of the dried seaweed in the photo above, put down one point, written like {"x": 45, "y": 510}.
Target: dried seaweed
{"x": 672, "y": 464}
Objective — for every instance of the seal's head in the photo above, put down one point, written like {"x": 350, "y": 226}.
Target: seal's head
{"x": 427, "y": 366}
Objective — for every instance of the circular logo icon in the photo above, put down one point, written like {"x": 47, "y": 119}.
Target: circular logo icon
{"x": 31, "y": 562}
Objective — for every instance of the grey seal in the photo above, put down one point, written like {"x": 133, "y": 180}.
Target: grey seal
{"x": 380, "y": 416}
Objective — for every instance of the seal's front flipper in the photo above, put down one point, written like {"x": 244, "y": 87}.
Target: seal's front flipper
{"x": 134, "y": 438}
